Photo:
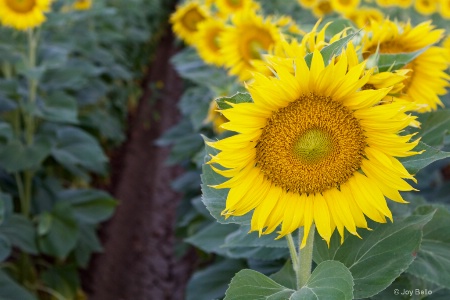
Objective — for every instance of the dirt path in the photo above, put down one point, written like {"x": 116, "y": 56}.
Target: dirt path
{"x": 138, "y": 262}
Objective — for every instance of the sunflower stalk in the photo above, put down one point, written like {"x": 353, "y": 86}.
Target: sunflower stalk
{"x": 293, "y": 252}
{"x": 305, "y": 258}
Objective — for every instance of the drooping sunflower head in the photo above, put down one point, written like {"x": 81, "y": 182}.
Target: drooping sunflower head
{"x": 82, "y": 4}
{"x": 428, "y": 79}
{"x": 23, "y": 14}
{"x": 245, "y": 41}
{"x": 207, "y": 41}
{"x": 230, "y": 7}
{"x": 186, "y": 18}
{"x": 345, "y": 6}
{"x": 313, "y": 147}
{"x": 426, "y": 7}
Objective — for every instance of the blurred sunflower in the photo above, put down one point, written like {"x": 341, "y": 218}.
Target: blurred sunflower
{"x": 364, "y": 16}
{"x": 426, "y": 7}
{"x": 307, "y": 3}
{"x": 82, "y": 4}
{"x": 313, "y": 147}
{"x": 428, "y": 79}
{"x": 215, "y": 118}
{"x": 186, "y": 19}
{"x": 385, "y": 3}
{"x": 23, "y": 14}
{"x": 345, "y": 6}
{"x": 230, "y": 7}
{"x": 444, "y": 8}
{"x": 244, "y": 42}
{"x": 207, "y": 41}
{"x": 403, "y": 3}
{"x": 322, "y": 8}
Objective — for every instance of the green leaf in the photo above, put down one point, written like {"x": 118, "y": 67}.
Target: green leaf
{"x": 6, "y": 206}
{"x": 433, "y": 259}
{"x": 330, "y": 280}
{"x": 260, "y": 253}
{"x": 252, "y": 285}
{"x": 212, "y": 237}
{"x": 212, "y": 282}
{"x": 89, "y": 205}
{"x": 88, "y": 243}
{"x": 379, "y": 257}
{"x": 11, "y": 290}
{"x": 60, "y": 107}
{"x": 78, "y": 151}
{"x": 15, "y": 156}
{"x": 417, "y": 162}
{"x": 392, "y": 62}
{"x": 5, "y": 247}
{"x": 244, "y": 238}
{"x": 21, "y": 232}
{"x": 239, "y": 97}
{"x": 63, "y": 279}
{"x": 63, "y": 234}
{"x": 214, "y": 199}
{"x": 331, "y": 50}
{"x": 434, "y": 127}
{"x": 286, "y": 276}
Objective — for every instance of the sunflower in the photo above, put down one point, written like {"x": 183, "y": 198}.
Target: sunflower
{"x": 403, "y": 3}
{"x": 186, "y": 19}
{"x": 322, "y": 8}
{"x": 444, "y": 9}
{"x": 82, "y": 4}
{"x": 23, "y": 14}
{"x": 230, "y": 7}
{"x": 425, "y": 7}
{"x": 385, "y": 3}
{"x": 207, "y": 41}
{"x": 428, "y": 79}
{"x": 364, "y": 16}
{"x": 313, "y": 147}
{"x": 307, "y": 3}
{"x": 446, "y": 46}
{"x": 215, "y": 118}
{"x": 245, "y": 41}
{"x": 345, "y": 6}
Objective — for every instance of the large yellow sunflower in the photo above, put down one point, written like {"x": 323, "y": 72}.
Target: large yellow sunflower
{"x": 23, "y": 14}
{"x": 207, "y": 41}
{"x": 313, "y": 147}
{"x": 244, "y": 42}
{"x": 428, "y": 79}
{"x": 185, "y": 20}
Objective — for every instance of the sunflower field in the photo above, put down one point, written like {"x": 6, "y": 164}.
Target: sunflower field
{"x": 288, "y": 149}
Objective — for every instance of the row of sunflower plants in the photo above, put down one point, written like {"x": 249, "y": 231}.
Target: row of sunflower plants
{"x": 320, "y": 146}
{"x": 70, "y": 71}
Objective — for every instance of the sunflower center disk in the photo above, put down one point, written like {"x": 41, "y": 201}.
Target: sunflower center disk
{"x": 311, "y": 145}
{"x": 21, "y": 6}
{"x": 191, "y": 19}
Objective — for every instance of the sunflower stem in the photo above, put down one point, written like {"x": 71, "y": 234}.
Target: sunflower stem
{"x": 293, "y": 252}
{"x": 305, "y": 258}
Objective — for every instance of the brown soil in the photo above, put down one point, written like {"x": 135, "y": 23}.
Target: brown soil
{"x": 138, "y": 260}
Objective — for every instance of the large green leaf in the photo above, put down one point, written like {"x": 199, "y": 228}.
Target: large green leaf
{"x": 212, "y": 237}
{"x": 417, "y": 162}
{"x": 330, "y": 280}
{"x": 286, "y": 276}
{"x": 397, "y": 61}
{"x": 379, "y": 257}
{"x": 15, "y": 156}
{"x": 252, "y": 285}
{"x": 223, "y": 102}
{"x": 214, "y": 199}
{"x": 331, "y": 50}
{"x": 89, "y": 205}
{"x": 21, "y": 232}
{"x": 59, "y": 107}
{"x": 434, "y": 127}
{"x": 212, "y": 282}
{"x": 11, "y": 290}
{"x": 433, "y": 259}
{"x": 62, "y": 235}
{"x": 87, "y": 244}
{"x": 62, "y": 279}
